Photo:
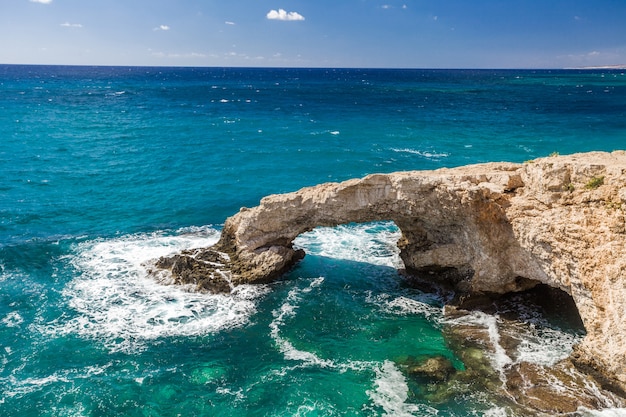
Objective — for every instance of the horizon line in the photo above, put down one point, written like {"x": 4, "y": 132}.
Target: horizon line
{"x": 595, "y": 67}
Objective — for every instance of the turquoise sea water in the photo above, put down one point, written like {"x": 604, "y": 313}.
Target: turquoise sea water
{"x": 104, "y": 168}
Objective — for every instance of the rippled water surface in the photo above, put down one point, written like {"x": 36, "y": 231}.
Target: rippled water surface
{"x": 103, "y": 169}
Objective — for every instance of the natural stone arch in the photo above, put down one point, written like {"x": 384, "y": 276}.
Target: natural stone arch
{"x": 460, "y": 228}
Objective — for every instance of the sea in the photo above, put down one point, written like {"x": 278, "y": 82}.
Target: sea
{"x": 103, "y": 169}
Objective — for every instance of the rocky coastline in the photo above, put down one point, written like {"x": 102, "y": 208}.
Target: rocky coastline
{"x": 483, "y": 230}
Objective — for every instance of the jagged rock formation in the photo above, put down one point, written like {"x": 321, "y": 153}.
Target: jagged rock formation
{"x": 488, "y": 228}
{"x": 205, "y": 269}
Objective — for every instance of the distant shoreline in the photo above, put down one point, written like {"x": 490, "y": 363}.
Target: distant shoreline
{"x": 610, "y": 67}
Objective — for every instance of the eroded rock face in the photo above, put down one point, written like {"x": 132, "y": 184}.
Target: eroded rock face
{"x": 493, "y": 228}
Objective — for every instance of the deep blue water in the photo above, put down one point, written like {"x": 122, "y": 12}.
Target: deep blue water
{"x": 103, "y": 168}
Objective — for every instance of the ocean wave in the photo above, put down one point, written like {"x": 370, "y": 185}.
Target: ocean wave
{"x": 545, "y": 346}
{"x": 425, "y": 305}
{"x": 113, "y": 301}
{"x": 288, "y": 311}
{"x": 423, "y": 154}
{"x": 391, "y": 392}
{"x": 20, "y": 387}
{"x": 315, "y": 408}
{"x": 374, "y": 243}
{"x": 13, "y": 319}
{"x": 498, "y": 355}
{"x": 325, "y": 132}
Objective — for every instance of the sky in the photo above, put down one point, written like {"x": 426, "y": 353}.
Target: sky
{"x": 315, "y": 33}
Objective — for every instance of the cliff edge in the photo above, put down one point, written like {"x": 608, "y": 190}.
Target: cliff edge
{"x": 486, "y": 228}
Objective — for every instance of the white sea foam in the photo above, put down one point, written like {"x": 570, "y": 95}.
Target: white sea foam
{"x": 324, "y": 132}
{"x": 608, "y": 412}
{"x": 374, "y": 243}
{"x": 115, "y": 302}
{"x": 424, "y": 154}
{"x": 391, "y": 393}
{"x": 495, "y": 412}
{"x": 314, "y": 408}
{"x": 73, "y": 410}
{"x": 288, "y": 311}
{"x": 544, "y": 345}
{"x": 410, "y": 304}
{"x": 540, "y": 343}
{"x": 237, "y": 395}
{"x": 19, "y": 387}
{"x": 498, "y": 356}
{"x": 13, "y": 319}
{"x": 4, "y": 275}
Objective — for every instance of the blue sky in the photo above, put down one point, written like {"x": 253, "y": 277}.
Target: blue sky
{"x": 315, "y": 33}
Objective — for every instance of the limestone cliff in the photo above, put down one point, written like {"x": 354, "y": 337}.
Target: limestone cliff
{"x": 495, "y": 227}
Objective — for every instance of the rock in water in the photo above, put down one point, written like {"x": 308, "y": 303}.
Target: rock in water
{"x": 203, "y": 269}
{"x": 435, "y": 368}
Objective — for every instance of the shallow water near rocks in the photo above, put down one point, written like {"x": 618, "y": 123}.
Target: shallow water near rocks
{"x": 105, "y": 169}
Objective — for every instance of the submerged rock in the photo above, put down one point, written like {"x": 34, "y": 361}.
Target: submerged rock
{"x": 433, "y": 368}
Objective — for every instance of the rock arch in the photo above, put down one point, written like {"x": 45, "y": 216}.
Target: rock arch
{"x": 499, "y": 227}
{"x": 447, "y": 220}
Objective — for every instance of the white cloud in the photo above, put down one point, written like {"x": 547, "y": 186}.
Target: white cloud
{"x": 229, "y": 23}
{"x": 41, "y": 1}
{"x": 162, "y": 27}
{"x": 281, "y": 14}
{"x": 71, "y": 25}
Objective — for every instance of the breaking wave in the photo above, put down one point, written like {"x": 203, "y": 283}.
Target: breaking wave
{"x": 374, "y": 243}
{"x": 424, "y": 154}
{"x": 113, "y": 300}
